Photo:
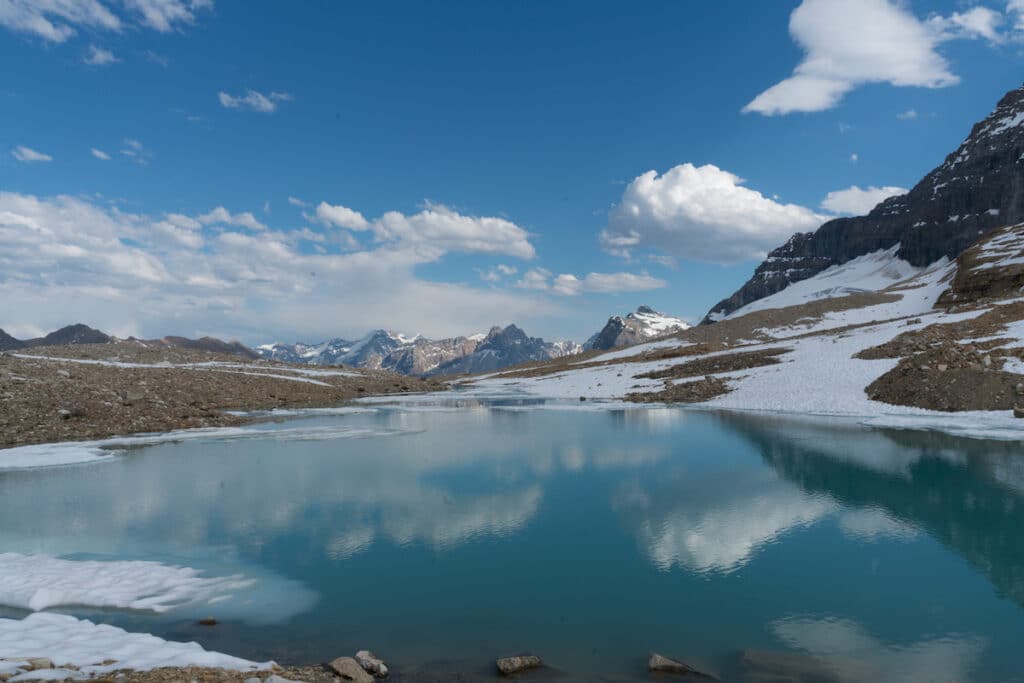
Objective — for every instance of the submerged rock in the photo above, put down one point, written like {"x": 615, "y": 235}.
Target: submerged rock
{"x": 350, "y": 670}
{"x": 511, "y": 665}
{"x": 372, "y": 664}
{"x": 667, "y": 665}
{"x": 1018, "y": 411}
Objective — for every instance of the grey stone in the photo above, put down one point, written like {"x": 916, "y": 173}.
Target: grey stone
{"x": 372, "y": 664}
{"x": 64, "y": 414}
{"x": 349, "y": 670}
{"x": 511, "y": 665}
{"x": 36, "y": 663}
{"x": 667, "y": 665}
{"x": 1020, "y": 389}
{"x": 1018, "y": 411}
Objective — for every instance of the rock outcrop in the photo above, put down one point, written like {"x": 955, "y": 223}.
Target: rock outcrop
{"x": 643, "y": 324}
{"x": 978, "y": 187}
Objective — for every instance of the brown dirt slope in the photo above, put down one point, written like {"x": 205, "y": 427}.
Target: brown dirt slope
{"x": 50, "y": 400}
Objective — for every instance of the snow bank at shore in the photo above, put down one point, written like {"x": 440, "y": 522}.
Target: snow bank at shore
{"x": 67, "y": 641}
{"x": 38, "y": 582}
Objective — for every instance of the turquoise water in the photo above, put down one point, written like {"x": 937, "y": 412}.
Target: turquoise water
{"x": 590, "y": 537}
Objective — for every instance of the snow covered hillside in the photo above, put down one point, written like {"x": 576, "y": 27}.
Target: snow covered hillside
{"x": 874, "y": 338}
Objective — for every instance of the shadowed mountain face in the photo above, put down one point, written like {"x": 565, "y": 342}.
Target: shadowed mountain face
{"x": 980, "y": 186}
{"x": 72, "y": 334}
{"x": 501, "y": 348}
{"x": 641, "y": 325}
{"x": 970, "y": 498}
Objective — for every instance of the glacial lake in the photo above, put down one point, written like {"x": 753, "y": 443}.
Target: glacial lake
{"x": 445, "y": 532}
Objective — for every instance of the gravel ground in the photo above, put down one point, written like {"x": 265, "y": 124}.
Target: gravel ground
{"x": 44, "y": 401}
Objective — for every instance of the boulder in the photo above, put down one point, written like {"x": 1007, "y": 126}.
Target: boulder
{"x": 372, "y": 664}
{"x": 1018, "y": 411}
{"x": 349, "y": 670}
{"x": 510, "y": 665}
{"x": 36, "y": 663}
{"x": 667, "y": 665}
{"x": 1020, "y": 389}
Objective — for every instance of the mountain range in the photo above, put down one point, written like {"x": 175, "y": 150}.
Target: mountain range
{"x": 83, "y": 334}
{"x": 418, "y": 355}
{"x": 979, "y": 187}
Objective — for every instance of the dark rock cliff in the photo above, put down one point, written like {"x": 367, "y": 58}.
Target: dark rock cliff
{"x": 979, "y": 187}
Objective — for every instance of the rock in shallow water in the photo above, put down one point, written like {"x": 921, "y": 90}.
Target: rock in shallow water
{"x": 372, "y": 664}
{"x": 667, "y": 665}
{"x": 511, "y": 665}
{"x": 350, "y": 670}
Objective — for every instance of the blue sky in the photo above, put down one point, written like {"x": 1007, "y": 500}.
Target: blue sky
{"x": 298, "y": 171}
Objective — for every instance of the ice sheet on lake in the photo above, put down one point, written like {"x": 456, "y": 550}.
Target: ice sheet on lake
{"x": 85, "y": 452}
{"x": 38, "y": 582}
{"x": 66, "y": 640}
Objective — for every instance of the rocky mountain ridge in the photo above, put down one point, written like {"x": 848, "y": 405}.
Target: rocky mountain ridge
{"x": 384, "y": 350}
{"x": 643, "y": 324}
{"x": 504, "y": 347}
{"x": 979, "y": 187}
{"x": 73, "y": 335}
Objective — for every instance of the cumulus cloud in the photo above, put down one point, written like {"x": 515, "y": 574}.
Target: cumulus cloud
{"x": 65, "y": 259}
{"x": 701, "y": 213}
{"x": 295, "y": 201}
{"x": 97, "y": 56}
{"x": 535, "y": 278}
{"x": 858, "y": 202}
{"x": 221, "y": 216}
{"x": 28, "y": 155}
{"x": 339, "y": 216}
{"x": 57, "y": 20}
{"x": 253, "y": 100}
{"x": 99, "y": 154}
{"x": 849, "y": 44}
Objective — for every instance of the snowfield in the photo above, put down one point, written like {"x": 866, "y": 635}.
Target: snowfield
{"x": 818, "y": 375}
{"x": 68, "y": 641}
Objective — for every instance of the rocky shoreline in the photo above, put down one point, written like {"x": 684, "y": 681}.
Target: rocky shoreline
{"x": 94, "y": 391}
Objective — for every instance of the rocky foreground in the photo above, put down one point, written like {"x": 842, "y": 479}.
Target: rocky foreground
{"x": 92, "y": 391}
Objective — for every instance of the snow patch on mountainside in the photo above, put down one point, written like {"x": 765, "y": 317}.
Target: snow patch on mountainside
{"x": 867, "y": 273}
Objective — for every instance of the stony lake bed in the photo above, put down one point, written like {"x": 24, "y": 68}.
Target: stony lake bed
{"x": 444, "y": 531}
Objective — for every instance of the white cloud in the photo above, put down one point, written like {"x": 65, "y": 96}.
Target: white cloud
{"x": 28, "y": 155}
{"x": 977, "y": 22}
{"x": 858, "y": 202}
{"x": 439, "y": 227}
{"x": 58, "y": 20}
{"x": 166, "y": 15}
{"x": 253, "y": 100}
{"x": 156, "y": 58}
{"x": 99, "y": 154}
{"x": 567, "y": 284}
{"x": 849, "y": 44}
{"x": 908, "y": 115}
{"x": 221, "y": 216}
{"x": 295, "y": 201}
{"x": 854, "y": 158}
{"x": 340, "y": 216}
{"x": 497, "y": 273}
{"x": 536, "y": 279}
{"x": 136, "y": 151}
{"x": 65, "y": 259}
{"x": 97, "y": 56}
{"x": 701, "y": 213}
{"x": 55, "y": 20}
{"x": 1015, "y": 10}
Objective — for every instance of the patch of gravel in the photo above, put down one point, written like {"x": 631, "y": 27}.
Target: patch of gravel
{"x": 44, "y": 401}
